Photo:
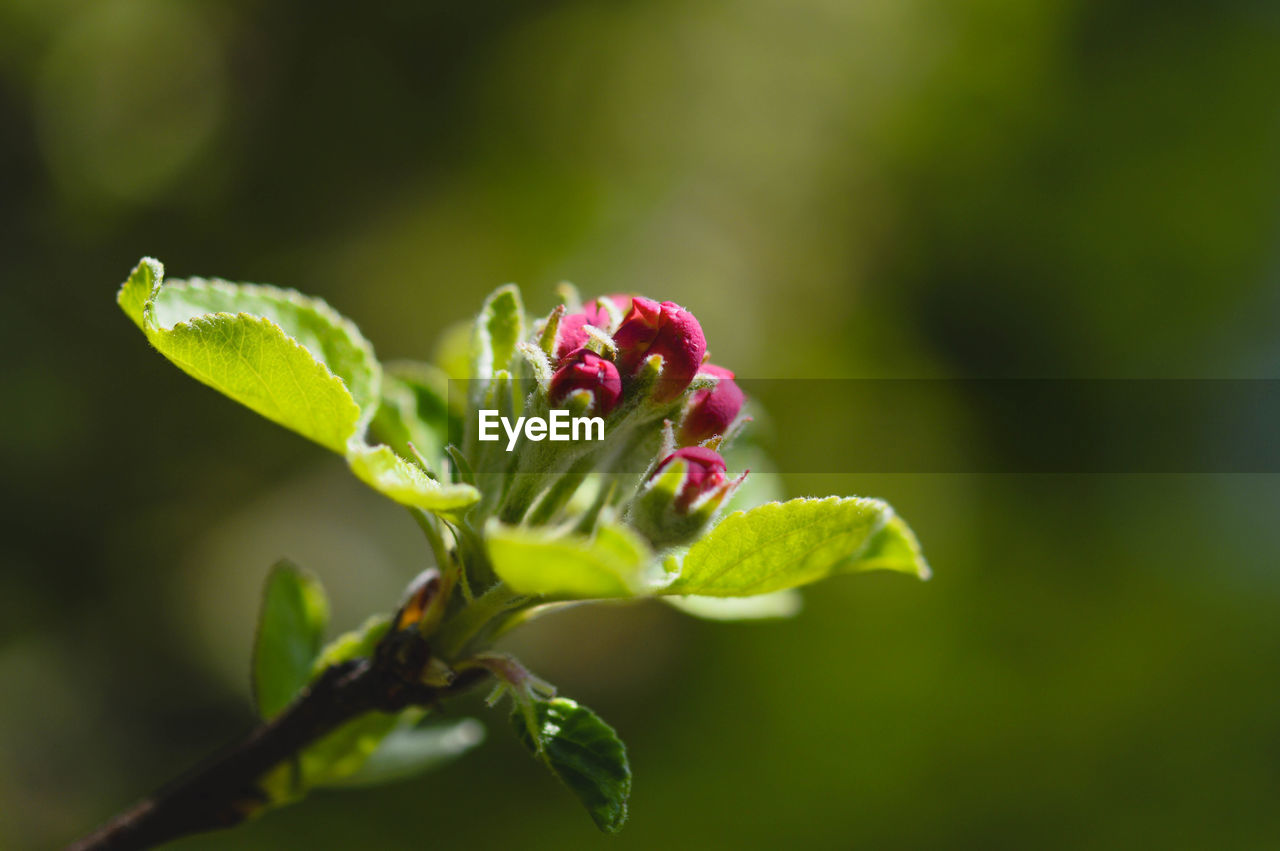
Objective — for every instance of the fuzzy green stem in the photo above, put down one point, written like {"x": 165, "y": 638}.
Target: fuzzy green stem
{"x": 429, "y": 526}
{"x": 462, "y": 629}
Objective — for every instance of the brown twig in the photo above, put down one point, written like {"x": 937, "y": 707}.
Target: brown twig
{"x": 225, "y": 791}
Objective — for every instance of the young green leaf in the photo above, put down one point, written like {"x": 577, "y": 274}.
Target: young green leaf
{"x": 290, "y": 358}
{"x": 541, "y": 561}
{"x": 359, "y": 643}
{"x": 334, "y": 757}
{"x": 372, "y": 749}
{"x": 414, "y": 410}
{"x": 585, "y": 753}
{"x": 344, "y": 751}
{"x": 405, "y": 482}
{"x": 411, "y": 749}
{"x": 290, "y": 634}
{"x": 452, "y": 354}
{"x": 777, "y": 604}
{"x": 894, "y": 547}
{"x": 498, "y": 330}
{"x": 787, "y": 544}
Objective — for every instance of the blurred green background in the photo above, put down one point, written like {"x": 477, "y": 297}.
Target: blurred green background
{"x": 838, "y": 188}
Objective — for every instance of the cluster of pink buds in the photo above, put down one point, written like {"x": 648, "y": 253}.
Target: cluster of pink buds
{"x": 620, "y": 354}
{"x": 641, "y": 335}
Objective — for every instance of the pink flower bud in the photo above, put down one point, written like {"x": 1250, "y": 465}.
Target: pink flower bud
{"x": 677, "y": 503}
{"x": 661, "y": 329}
{"x": 712, "y": 410}
{"x": 704, "y": 473}
{"x": 585, "y": 370}
{"x": 572, "y": 336}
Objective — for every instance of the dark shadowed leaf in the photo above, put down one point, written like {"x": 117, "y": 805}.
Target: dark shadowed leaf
{"x": 290, "y": 634}
{"x": 585, "y": 753}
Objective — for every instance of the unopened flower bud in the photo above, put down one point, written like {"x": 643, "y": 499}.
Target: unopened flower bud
{"x": 681, "y": 497}
{"x": 572, "y": 336}
{"x": 713, "y": 409}
{"x": 704, "y": 473}
{"x": 664, "y": 329}
{"x": 585, "y": 370}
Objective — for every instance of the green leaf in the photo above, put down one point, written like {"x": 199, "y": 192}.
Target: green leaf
{"x": 342, "y": 753}
{"x": 405, "y": 482}
{"x": 414, "y": 410}
{"x": 542, "y": 561}
{"x": 290, "y": 358}
{"x": 778, "y": 604}
{"x": 787, "y": 544}
{"x": 290, "y": 634}
{"x": 585, "y": 753}
{"x": 452, "y": 352}
{"x": 359, "y": 643}
{"x": 408, "y": 750}
{"x": 498, "y": 330}
{"x": 895, "y": 547}
{"x": 537, "y": 366}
